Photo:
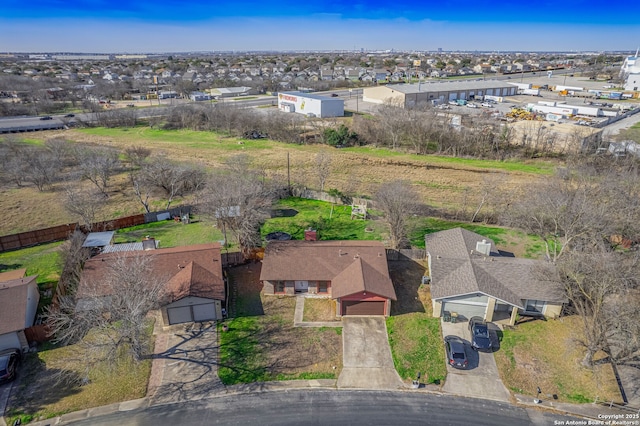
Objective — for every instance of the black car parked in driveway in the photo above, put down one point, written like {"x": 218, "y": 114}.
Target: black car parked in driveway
{"x": 480, "y": 339}
{"x": 456, "y": 353}
{"x": 9, "y": 359}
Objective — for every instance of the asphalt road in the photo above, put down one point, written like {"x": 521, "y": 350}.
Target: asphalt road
{"x": 329, "y": 407}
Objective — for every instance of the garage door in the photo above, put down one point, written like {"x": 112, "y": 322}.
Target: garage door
{"x": 464, "y": 310}
{"x": 178, "y": 315}
{"x": 362, "y": 308}
{"x": 202, "y": 312}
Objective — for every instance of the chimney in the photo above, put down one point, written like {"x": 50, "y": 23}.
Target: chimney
{"x": 310, "y": 235}
{"x": 148, "y": 243}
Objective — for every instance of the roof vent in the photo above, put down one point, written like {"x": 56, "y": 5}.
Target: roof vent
{"x": 483, "y": 247}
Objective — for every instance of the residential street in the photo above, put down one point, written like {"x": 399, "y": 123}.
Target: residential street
{"x": 328, "y": 407}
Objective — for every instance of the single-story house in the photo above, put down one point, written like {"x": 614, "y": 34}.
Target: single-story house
{"x": 354, "y": 273}
{"x": 470, "y": 277}
{"x": 195, "y": 288}
{"x": 19, "y": 297}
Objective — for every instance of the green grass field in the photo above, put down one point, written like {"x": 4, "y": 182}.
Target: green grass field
{"x": 535, "y": 167}
{"x": 333, "y": 222}
{"x": 43, "y": 260}
{"x": 213, "y": 140}
{"x": 172, "y": 234}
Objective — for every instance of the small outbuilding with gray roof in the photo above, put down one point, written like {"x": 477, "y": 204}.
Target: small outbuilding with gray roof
{"x": 471, "y": 277}
{"x": 354, "y": 273}
{"x": 411, "y": 95}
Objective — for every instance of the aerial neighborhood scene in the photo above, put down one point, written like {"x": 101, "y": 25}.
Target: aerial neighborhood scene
{"x": 288, "y": 213}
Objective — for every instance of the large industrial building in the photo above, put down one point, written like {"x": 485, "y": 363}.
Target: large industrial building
{"x": 410, "y": 95}
{"x": 310, "y": 105}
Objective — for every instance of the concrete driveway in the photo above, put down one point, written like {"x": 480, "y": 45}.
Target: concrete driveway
{"x": 481, "y": 379}
{"x": 366, "y": 359}
{"x": 185, "y": 364}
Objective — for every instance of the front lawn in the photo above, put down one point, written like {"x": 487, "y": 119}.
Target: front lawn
{"x": 545, "y": 354}
{"x": 333, "y": 222}
{"x": 39, "y": 393}
{"x": 416, "y": 346}
{"x": 414, "y": 335}
{"x": 261, "y": 343}
{"x": 319, "y": 310}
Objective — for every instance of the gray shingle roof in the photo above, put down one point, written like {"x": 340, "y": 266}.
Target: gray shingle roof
{"x": 457, "y": 269}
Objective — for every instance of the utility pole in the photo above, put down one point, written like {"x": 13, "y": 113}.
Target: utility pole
{"x": 288, "y": 174}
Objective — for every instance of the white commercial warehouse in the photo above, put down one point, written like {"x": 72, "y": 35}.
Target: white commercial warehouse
{"x": 310, "y": 105}
{"x": 409, "y": 95}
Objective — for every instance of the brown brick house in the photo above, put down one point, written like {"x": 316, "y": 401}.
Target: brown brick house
{"x": 194, "y": 289}
{"x": 355, "y": 273}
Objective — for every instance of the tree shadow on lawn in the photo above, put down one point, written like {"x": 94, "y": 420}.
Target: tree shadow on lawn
{"x": 37, "y": 387}
{"x": 407, "y": 278}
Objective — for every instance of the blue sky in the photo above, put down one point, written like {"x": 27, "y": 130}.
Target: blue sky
{"x": 208, "y": 25}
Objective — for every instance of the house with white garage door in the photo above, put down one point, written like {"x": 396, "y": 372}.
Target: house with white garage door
{"x": 470, "y": 277}
{"x": 194, "y": 289}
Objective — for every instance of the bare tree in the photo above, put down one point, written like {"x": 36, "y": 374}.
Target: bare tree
{"x": 561, "y": 211}
{"x": 323, "y": 168}
{"x": 98, "y": 165}
{"x": 137, "y": 154}
{"x": 239, "y": 199}
{"x": 169, "y": 176}
{"x": 84, "y": 203}
{"x": 591, "y": 281}
{"x": 43, "y": 167}
{"x": 112, "y": 309}
{"x": 398, "y": 201}
{"x": 142, "y": 188}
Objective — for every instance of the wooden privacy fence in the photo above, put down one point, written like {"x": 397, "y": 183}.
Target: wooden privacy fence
{"x": 37, "y": 333}
{"x": 62, "y": 232}
{"x": 406, "y": 254}
{"x": 39, "y": 236}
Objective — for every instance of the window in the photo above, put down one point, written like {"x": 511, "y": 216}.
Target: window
{"x": 278, "y": 287}
{"x": 323, "y": 286}
{"x": 536, "y": 306}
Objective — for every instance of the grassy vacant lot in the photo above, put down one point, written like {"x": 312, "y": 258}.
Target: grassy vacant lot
{"x": 545, "y": 354}
{"x": 39, "y": 393}
{"x": 333, "y": 222}
{"x": 443, "y": 182}
{"x": 414, "y": 335}
{"x": 261, "y": 343}
{"x": 172, "y": 234}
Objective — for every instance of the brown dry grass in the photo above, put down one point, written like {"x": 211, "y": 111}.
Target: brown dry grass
{"x": 281, "y": 351}
{"x": 441, "y": 186}
{"x": 546, "y": 354}
{"x": 319, "y": 310}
